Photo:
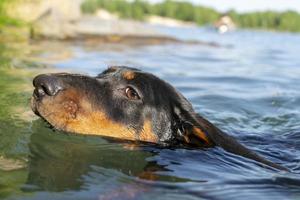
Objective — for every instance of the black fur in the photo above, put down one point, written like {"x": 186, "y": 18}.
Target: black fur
{"x": 170, "y": 113}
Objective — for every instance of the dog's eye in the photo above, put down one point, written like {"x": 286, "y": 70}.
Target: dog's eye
{"x": 131, "y": 93}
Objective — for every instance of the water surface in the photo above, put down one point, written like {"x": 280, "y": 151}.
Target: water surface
{"x": 249, "y": 87}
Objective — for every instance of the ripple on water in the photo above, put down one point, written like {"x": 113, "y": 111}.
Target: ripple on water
{"x": 250, "y": 91}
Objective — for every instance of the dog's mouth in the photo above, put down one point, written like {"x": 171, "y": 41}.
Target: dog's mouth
{"x": 46, "y": 86}
{"x": 39, "y": 94}
{"x": 56, "y": 109}
{"x": 35, "y": 100}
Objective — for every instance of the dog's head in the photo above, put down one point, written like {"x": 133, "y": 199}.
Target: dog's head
{"x": 128, "y": 104}
{"x": 120, "y": 102}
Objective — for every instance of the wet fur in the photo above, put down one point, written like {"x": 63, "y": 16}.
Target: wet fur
{"x": 98, "y": 106}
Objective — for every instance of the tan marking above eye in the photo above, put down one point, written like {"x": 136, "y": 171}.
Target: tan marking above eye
{"x": 128, "y": 75}
{"x": 112, "y": 69}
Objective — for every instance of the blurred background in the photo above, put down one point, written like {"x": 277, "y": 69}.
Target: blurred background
{"x": 237, "y": 61}
{"x": 67, "y": 17}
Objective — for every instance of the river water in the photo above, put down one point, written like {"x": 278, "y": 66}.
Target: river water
{"x": 249, "y": 86}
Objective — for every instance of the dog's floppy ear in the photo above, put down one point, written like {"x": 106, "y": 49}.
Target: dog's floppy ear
{"x": 197, "y": 131}
{"x": 192, "y": 128}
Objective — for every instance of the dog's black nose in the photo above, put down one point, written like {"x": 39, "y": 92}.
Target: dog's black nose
{"x": 46, "y": 84}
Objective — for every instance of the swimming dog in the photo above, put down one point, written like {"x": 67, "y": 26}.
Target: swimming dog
{"x": 128, "y": 104}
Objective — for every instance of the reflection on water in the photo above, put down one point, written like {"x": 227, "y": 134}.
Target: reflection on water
{"x": 249, "y": 87}
{"x": 58, "y": 161}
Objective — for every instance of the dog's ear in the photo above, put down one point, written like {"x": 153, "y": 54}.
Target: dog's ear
{"x": 197, "y": 131}
{"x": 192, "y": 128}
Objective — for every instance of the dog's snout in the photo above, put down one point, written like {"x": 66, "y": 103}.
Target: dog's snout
{"x": 47, "y": 84}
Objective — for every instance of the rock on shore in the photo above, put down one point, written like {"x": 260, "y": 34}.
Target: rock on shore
{"x": 63, "y": 19}
{"x": 57, "y": 19}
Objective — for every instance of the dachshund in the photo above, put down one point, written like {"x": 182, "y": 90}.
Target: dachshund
{"x": 129, "y": 104}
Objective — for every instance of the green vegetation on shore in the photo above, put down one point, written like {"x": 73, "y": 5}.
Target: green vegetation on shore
{"x": 11, "y": 29}
{"x": 139, "y": 9}
{"x": 5, "y": 20}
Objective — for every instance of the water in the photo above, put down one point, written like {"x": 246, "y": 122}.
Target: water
{"x": 249, "y": 87}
